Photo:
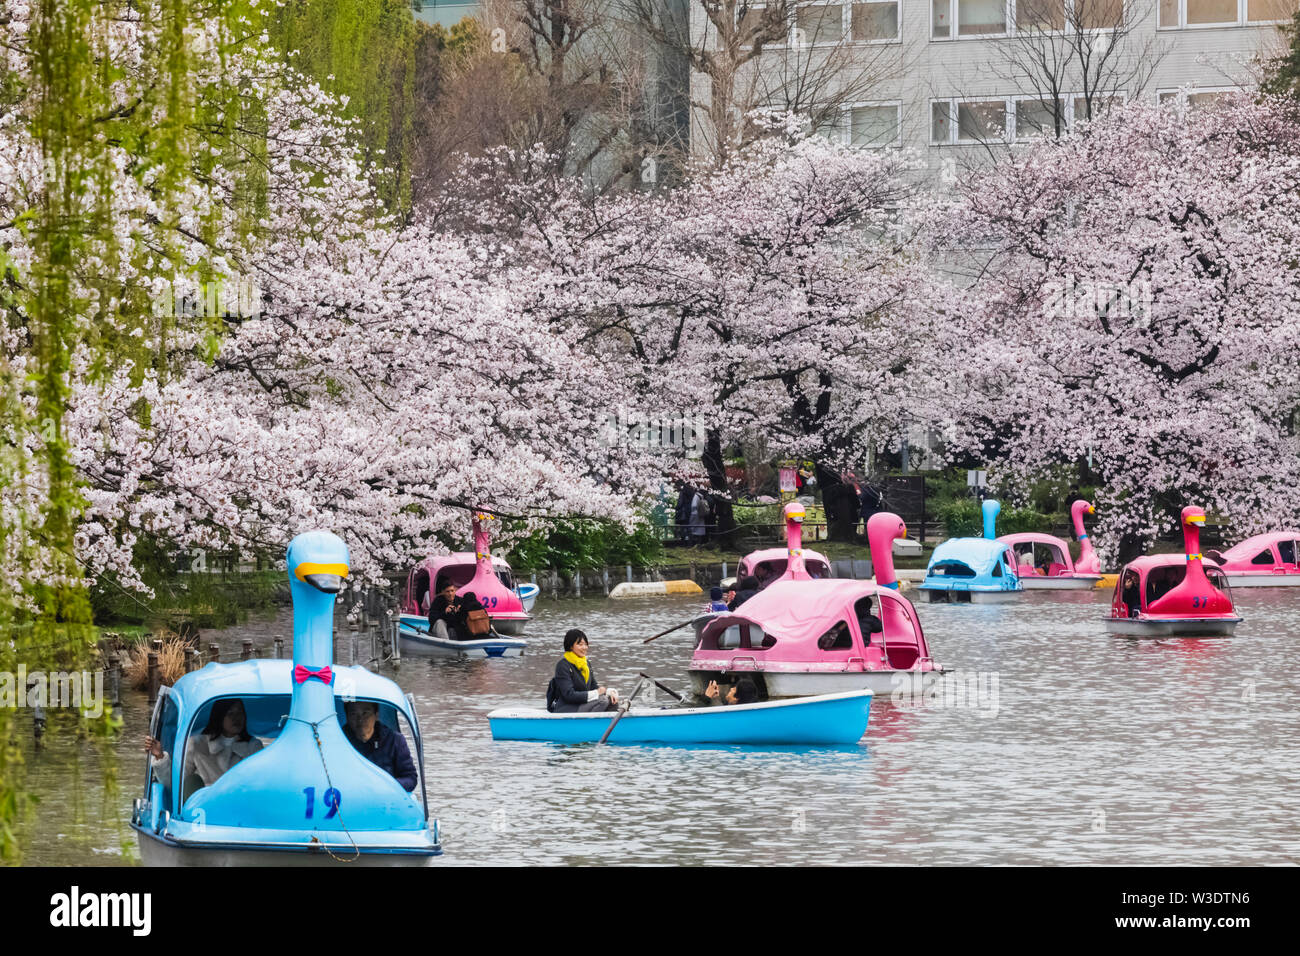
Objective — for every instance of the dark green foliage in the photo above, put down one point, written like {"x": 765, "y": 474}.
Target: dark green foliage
{"x": 577, "y": 544}
{"x": 364, "y": 50}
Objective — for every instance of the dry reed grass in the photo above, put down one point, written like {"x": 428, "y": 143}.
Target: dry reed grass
{"x": 171, "y": 662}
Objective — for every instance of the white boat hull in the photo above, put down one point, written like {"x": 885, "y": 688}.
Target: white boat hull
{"x": 1187, "y": 627}
{"x": 1264, "y": 580}
{"x": 155, "y": 852}
{"x": 1060, "y": 582}
{"x": 414, "y": 644}
{"x": 882, "y": 684}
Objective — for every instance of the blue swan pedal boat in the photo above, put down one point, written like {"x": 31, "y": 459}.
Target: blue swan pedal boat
{"x": 308, "y": 797}
{"x": 828, "y": 719}
{"x": 975, "y": 570}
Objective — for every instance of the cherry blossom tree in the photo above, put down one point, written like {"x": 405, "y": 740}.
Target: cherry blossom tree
{"x": 1137, "y": 307}
{"x": 774, "y": 296}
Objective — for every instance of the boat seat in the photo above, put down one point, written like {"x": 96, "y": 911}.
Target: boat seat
{"x": 902, "y": 657}
{"x": 189, "y": 786}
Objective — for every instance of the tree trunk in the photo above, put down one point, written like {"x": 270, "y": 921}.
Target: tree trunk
{"x": 723, "y": 517}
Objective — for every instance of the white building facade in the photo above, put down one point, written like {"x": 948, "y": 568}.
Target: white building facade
{"x": 954, "y": 78}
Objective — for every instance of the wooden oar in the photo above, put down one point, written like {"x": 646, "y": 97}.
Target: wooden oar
{"x": 676, "y": 627}
{"x": 621, "y": 711}
{"x": 663, "y": 688}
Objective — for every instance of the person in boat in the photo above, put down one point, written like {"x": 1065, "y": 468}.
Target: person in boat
{"x": 836, "y": 639}
{"x": 445, "y": 617}
{"x": 868, "y": 623}
{"x": 748, "y": 587}
{"x": 223, "y": 743}
{"x": 379, "y": 743}
{"x": 1131, "y": 594}
{"x": 716, "y": 600}
{"x": 574, "y": 689}
{"x": 741, "y": 692}
{"x": 729, "y": 597}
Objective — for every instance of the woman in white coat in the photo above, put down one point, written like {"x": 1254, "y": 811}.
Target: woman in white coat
{"x": 223, "y": 743}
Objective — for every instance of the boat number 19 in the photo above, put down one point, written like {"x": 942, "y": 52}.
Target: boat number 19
{"x": 332, "y": 800}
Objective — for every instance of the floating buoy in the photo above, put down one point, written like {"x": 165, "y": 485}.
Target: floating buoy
{"x": 646, "y": 588}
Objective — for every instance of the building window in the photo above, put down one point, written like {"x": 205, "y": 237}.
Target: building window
{"x": 1176, "y": 14}
{"x": 941, "y": 19}
{"x": 820, "y": 23}
{"x": 982, "y": 121}
{"x": 1203, "y": 12}
{"x": 872, "y": 22}
{"x": 1042, "y": 15}
{"x": 1196, "y": 99}
{"x": 981, "y": 17}
{"x": 1036, "y": 117}
{"x": 874, "y": 125}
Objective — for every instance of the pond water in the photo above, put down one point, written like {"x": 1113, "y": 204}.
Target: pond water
{"x": 1081, "y": 748}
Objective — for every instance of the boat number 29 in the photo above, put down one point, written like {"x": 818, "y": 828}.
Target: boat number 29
{"x": 489, "y": 602}
{"x": 332, "y": 800}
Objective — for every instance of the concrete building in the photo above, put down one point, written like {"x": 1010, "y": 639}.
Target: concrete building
{"x": 955, "y": 78}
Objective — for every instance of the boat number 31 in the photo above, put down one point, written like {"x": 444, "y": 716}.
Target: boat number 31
{"x": 332, "y": 800}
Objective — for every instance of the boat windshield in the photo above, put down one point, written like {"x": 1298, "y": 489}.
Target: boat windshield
{"x": 952, "y": 569}
{"x": 265, "y": 716}
{"x": 1220, "y": 581}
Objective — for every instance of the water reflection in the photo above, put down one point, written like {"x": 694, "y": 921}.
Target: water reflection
{"x": 1104, "y": 749}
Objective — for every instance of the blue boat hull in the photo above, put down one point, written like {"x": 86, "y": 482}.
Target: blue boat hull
{"x": 830, "y": 719}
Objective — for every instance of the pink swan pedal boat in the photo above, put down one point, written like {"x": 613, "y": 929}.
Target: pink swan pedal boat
{"x": 773, "y": 564}
{"x": 800, "y": 637}
{"x": 492, "y": 583}
{"x": 1264, "y": 561}
{"x": 1061, "y": 573}
{"x": 1182, "y": 595}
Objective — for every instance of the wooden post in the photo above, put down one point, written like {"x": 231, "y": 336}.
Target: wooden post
{"x": 115, "y": 679}
{"x": 577, "y": 583}
{"x": 352, "y": 640}
{"x": 246, "y": 652}
{"x": 629, "y": 572}
{"x": 153, "y": 677}
{"x": 214, "y": 653}
{"x": 279, "y": 648}
{"x": 191, "y": 659}
{"x": 724, "y": 570}
{"x": 555, "y": 584}
{"x": 604, "y": 577}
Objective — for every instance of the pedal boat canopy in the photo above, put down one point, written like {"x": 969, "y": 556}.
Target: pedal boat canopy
{"x": 806, "y": 626}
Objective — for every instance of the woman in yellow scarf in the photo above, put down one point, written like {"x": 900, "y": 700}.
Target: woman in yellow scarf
{"x": 573, "y": 689}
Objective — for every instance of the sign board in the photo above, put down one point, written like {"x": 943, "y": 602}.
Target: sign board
{"x": 976, "y": 479}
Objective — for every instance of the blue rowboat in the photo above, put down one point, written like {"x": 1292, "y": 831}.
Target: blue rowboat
{"x": 417, "y": 640}
{"x": 828, "y": 719}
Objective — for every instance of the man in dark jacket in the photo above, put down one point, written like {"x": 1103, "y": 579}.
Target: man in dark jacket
{"x": 445, "y": 614}
{"x": 379, "y": 743}
{"x": 573, "y": 689}
{"x": 746, "y": 588}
